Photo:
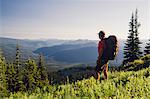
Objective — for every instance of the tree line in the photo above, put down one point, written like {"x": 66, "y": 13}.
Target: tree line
{"x": 22, "y": 76}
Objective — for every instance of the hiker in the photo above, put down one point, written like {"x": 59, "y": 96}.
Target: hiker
{"x": 107, "y": 50}
{"x": 102, "y": 64}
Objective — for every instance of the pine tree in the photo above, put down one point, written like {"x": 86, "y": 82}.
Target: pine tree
{"x": 129, "y": 45}
{"x": 16, "y": 65}
{"x": 30, "y": 77}
{"x": 10, "y": 77}
{"x": 17, "y": 62}
{"x": 13, "y": 74}
{"x": 3, "y": 84}
{"x": 43, "y": 77}
{"x": 147, "y": 48}
{"x": 132, "y": 48}
{"x": 136, "y": 38}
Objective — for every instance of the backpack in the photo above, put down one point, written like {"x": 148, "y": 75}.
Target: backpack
{"x": 110, "y": 48}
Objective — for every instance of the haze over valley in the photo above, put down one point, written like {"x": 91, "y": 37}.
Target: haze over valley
{"x": 59, "y": 54}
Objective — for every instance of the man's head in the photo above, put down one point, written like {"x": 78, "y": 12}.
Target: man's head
{"x": 101, "y": 34}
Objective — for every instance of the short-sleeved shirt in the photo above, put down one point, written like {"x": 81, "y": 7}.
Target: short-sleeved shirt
{"x": 100, "y": 45}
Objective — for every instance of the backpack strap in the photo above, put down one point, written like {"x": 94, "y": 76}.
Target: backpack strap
{"x": 104, "y": 55}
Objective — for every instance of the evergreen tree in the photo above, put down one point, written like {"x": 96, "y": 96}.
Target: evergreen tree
{"x": 129, "y": 45}
{"x": 136, "y": 38}
{"x": 16, "y": 64}
{"x": 3, "y": 84}
{"x": 43, "y": 77}
{"x": 147, "y": 48}
{"x": 30, "y": 77}
{"x": 13, "y": 74}
{"x": 132, "y": 48}
{"x": 10, "y": 77}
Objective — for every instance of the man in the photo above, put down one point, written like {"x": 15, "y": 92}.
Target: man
{"x": 102, "y": 63}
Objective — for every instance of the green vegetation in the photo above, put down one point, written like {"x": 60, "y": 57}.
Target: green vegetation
{"x": 21, "y": 76}
{"x": 29, "y": 79}
{"x": 147, "y": 48}
{"x": 143, "y": 62}
{"x": 132, "y": 47}
{"x": 120, "y": 85}
{"x": 3, "y": 88}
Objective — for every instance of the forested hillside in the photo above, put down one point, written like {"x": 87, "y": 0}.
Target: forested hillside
{"x": 30, "y": 79}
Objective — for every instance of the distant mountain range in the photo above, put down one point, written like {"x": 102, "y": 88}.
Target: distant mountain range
{"x": 8, "y": 46}
{"x": 59, "y": 51}
{"x": 77, "y": 52}
{"x": 50, "y": 51}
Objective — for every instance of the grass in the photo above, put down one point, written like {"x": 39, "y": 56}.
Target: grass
{"x": 120, "y": 85}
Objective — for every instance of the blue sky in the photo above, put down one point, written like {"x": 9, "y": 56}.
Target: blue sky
{"x": 71, "y": 19}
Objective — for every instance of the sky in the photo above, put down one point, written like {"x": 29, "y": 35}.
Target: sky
{"x": 71, "y": 19}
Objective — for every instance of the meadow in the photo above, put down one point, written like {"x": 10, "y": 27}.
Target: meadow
{"x": 119, "y": 85}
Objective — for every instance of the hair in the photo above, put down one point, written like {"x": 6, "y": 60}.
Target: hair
{"x": 102, "y": 33}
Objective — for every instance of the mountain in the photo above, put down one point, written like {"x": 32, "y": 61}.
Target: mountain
{"x": 49, "y": 51}
{"x": 79, "y": 55}
{"x": 8, "y": 46}
{"x": 33, "y": 44}
{"x": 59, "y": 52}
{"x": 9, "y": 51}
{"x": 80, "y": 51}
